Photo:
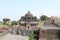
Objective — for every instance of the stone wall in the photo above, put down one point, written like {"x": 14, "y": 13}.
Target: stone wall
{"x": 49, "y": 34}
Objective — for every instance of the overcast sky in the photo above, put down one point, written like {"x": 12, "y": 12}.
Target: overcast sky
{"x": 14, "y": 9}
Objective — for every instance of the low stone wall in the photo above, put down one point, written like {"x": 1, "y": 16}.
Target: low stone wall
{"x": 21, "y": 32}
{"x": 4, "y": 33}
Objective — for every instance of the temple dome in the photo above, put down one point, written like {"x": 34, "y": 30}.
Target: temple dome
{"x": 28, "y": 14}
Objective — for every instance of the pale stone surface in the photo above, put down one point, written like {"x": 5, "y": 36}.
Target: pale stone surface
{"x": 14, "y": 37}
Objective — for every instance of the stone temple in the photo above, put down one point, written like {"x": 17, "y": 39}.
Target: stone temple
{"x": 27, "y": 24}
{"x": 28, "y": 21}
{"x": 6, "y": 20}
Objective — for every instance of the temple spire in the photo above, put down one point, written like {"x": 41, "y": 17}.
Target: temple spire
{"x": 28, "y": 14}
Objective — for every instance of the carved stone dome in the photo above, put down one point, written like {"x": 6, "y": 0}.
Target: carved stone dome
{"x": 28, "y": 14}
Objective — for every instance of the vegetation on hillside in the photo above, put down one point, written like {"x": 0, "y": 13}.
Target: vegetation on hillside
{"x": 34, "y": 35}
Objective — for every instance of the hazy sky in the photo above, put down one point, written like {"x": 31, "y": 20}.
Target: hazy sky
{"x": 14, "y": 9}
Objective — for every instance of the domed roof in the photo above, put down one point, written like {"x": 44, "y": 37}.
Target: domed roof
{"x": 28, "y": 14}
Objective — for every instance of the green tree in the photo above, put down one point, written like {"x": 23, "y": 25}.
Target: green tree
{"x": 43, "y": 17}
{"x": 14, "y": 23}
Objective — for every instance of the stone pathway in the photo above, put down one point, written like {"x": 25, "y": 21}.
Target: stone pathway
{"x": 14, "y": 37}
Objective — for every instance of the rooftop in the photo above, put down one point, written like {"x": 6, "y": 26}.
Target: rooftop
{"x": 49, "y": 26}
